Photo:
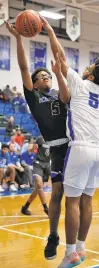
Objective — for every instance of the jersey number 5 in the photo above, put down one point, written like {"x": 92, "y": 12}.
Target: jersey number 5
{"x": 55, "y": 109}
{"x": 93, "y": 100}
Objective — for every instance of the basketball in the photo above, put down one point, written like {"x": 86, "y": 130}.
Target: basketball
{"x": 28, "y": 23}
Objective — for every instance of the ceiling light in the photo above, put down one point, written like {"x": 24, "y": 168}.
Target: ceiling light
{"x": 51, "y": 15}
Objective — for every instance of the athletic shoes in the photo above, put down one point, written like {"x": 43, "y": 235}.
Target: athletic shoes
{"x": 50, "y": 251}
{"x": 82, "y": 254}
{"x": 25, "y": 211}
{"x": 70, "y": 261}
{"x": 46, "y": 210}
{"x": 13, "y": 188}
{"x": 1, "y": 189}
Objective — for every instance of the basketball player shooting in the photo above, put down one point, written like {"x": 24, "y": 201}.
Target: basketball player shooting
{"x": 50, "y": 114}
{"x": 81, "y": 172}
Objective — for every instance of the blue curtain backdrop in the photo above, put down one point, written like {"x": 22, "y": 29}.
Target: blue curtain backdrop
{"x": 38, "y": 55}
{"x": 72, "y": 56}
{"x": 4, "y": 52}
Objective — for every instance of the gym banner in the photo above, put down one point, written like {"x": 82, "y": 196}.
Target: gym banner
{"x": 4, "y": 11}
{"x": 93, "y": 56}
{"x": 72, "y": 57}
{"x": 4, "y": 52}
{"x": 73, "y": 22}
{"x": 38, "y": 55}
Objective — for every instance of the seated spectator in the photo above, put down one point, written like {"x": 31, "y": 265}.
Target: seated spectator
{"x": 25, "y": 145}
{"x": 17, "y": 146}
{"x": 14, "y": 91}
{"x": 20, "y": 177}
{"x": 22, "y": 104}
{"x": 6, "y": 168}
{"x": 1, "y": 95}
{"x": 19, "y": 103}
{"x": 27, "y": 159}
{"x": 19, "y": 137}
{"x": 16, "y": 103}
{"x": 7, "y": 93}
{"x": 10, "y": 126}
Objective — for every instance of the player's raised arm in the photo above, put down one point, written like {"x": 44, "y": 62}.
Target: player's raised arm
{"x": 21, "y": 56}
{"x": 56, "y": 46}
{"x": 63, "y": 89}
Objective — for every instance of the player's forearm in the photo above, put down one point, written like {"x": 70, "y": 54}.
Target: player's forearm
{"x": 63, "y": 89}
{"x": 22, "y": 60}
{"x": 55, "y": 45}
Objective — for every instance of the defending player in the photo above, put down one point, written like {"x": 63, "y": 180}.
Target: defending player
{"x": 81, "y": 172}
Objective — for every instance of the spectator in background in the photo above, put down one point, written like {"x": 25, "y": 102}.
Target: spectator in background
{"x": 8, "y": 93}
{"x": 19, "y": 137}
{"x": 27, "y": 159}
{"x": 10, "y": 126}
{"x": 1, "y": 95}
{"x": 19, "y": 170}
{"x": 14, "y": 91}
{"x": 25, "y": 145}
{"x": 16, "y": 103}
{"x": 22, "y": 104}
{"x": 17, "y": 146}
{"x": 19, "y": 103}
{"x": 6, "y": 168}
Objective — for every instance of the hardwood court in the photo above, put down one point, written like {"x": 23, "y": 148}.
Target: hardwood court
{"x": 22, "y": 238}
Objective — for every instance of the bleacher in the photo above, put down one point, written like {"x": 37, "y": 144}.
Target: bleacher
{"x": 24, "y": 120}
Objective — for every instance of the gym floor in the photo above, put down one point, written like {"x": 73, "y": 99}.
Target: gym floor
{"x": 23, "y": 238}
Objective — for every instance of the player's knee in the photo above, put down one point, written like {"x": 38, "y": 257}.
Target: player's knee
{"x": 72, "y": 203}
{"x": 86, "y": 201}
{"x": 38, "y": 186}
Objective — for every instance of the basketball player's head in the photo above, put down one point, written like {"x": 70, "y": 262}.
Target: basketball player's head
{"x": 92, "y": 72}
{"x": 42, "y": 79}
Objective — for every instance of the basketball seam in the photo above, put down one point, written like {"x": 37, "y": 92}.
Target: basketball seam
{"x": 40, "y": 28}
{"x": 28, "y": 23}
{"x": 19, "y": 25}
{"x": 38, "y": 24}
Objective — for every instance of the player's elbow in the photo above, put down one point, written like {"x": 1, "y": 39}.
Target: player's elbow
{"x": 23, "y": 68}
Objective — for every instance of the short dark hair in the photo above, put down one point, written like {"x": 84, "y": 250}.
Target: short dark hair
{"x": 38, "y": 70}
{"x": 4, "y": 145}
{"x": 96, "y": 72}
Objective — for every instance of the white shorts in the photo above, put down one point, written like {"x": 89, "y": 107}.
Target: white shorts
{"x": 81, "y": 170}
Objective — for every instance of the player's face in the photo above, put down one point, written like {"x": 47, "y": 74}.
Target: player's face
{"x": 88, "y": 71}
{"x": 43, "y": 81}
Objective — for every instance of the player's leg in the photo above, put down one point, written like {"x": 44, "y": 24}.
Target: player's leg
{"x": 38, "y": 189}
{"x": 86, "y": 208}
{"x": 24, "y": 209}
{"x": 1, "y": 177}
{"x": 57, "y": 157}
{"x": 85, "y": 222}
{"x": 75, "y": 179}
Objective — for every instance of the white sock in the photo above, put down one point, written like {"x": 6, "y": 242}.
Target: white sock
{"x": 70, "y": 249}
{"x": 80, "y": 245}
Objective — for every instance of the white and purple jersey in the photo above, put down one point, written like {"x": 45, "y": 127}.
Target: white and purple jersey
{"x": 83, "y": 112}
